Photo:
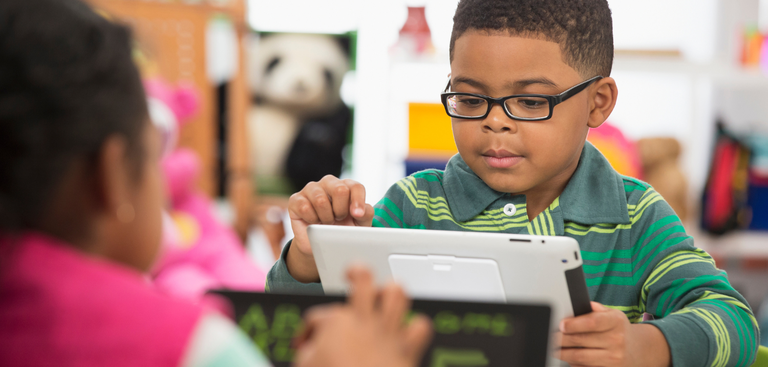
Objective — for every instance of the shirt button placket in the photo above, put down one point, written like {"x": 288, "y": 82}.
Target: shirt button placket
{"x": 510, "y": 209}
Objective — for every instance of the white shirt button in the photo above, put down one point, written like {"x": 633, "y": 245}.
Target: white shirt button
{"x": 510, "y": 209}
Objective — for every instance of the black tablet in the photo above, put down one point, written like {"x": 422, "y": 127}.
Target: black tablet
{"x": 465, "y": 333}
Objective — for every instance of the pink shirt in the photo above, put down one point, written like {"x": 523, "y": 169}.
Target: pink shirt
{"x": 62, "y": 307}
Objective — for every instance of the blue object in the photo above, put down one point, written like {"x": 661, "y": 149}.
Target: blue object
{"x": 415, "y": 165}
{"x": 758, "y": 201}
{"x": 758, "y": 188}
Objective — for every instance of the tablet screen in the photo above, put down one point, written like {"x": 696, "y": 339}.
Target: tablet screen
{"x": 465, "y": 333}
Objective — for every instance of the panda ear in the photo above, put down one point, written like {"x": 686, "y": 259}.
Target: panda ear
{"x": 345, "y": 43}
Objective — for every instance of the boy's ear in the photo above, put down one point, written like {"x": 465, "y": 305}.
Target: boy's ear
{"x": 604, "y": 94}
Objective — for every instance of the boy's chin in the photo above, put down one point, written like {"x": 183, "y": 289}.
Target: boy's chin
{"x": 503, "y": 184}
{"x": 503, "y": 180}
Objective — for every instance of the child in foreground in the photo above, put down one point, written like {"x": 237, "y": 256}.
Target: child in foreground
{"x": 80, "y": 204}
{"x": 529, "y": 78}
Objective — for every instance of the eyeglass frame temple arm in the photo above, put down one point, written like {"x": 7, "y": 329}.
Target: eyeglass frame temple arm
{"x": 559, "y": 98}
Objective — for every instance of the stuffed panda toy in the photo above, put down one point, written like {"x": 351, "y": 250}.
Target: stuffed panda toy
{"x": 298, "y": 124}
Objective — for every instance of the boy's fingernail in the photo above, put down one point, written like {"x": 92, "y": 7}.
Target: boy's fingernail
{"x": 358, "y": 212}
{"x": 562, "y": 326}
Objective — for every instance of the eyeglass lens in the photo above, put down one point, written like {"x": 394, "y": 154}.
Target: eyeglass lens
{"x": 523, "y": 107}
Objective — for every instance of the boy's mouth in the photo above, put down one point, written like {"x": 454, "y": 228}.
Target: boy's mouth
{"x": 501, "y": 158}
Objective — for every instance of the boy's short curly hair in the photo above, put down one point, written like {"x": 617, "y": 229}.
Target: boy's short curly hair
{"x": 583, "y": 28}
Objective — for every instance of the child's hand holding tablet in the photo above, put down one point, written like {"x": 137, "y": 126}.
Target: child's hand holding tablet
{"x": 329, "y": 201}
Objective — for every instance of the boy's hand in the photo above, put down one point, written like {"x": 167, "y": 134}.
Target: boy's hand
{"x": 368, "y": 331}
{"x": 605, "y": 337}
{"x": 330, "y": 201}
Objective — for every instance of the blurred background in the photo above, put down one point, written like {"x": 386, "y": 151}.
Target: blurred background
{"x": 288, "y": 91}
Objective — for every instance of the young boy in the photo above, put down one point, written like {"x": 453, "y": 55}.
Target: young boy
{"x": 524, "y": 167}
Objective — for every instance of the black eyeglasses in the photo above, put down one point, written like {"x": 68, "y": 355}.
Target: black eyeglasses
{"x": 526, "y": 107}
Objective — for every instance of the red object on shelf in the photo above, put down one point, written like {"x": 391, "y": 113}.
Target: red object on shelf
{"x": 416, "y": 30}
{"x": 754, "y": 264}
{"x": 721, "y": 190}
{"x": 416, "y": 22}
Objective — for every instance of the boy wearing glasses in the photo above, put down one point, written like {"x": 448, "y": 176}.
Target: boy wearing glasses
{"x": 529, "y": 78}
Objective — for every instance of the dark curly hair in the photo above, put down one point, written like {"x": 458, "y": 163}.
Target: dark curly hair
{"x": 583, "y": 28}
{"x": 67, "y": 82}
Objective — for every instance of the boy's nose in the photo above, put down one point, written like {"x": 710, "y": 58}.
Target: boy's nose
{"x": 497, "y": 121}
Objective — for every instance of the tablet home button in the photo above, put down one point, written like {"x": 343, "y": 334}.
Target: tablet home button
{"x": 510, "y": 209}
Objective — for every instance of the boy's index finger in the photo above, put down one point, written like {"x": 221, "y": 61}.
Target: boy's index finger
{"x": 367, "y": 219}
{"x": 340, "y": 196}
{"x": 357, "y": 198}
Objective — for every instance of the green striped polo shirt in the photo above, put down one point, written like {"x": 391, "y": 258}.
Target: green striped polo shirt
{"x": 637, "y": 256}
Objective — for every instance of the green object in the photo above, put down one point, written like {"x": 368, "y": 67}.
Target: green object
{"x": 274, "y": 341}
{"x": 448, "y": 357}
{"x": 762, "y": 357}
{"x": 447, "y": 322}
{"x": 637, "y": 256}
{"x": 274, "y": 185}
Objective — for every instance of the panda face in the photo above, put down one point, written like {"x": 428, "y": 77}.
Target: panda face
{"x": 300, "y": 72}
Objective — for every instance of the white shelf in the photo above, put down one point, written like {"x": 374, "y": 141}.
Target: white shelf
{"x": 723, "y": 74}
{"x": 740, "y": 244}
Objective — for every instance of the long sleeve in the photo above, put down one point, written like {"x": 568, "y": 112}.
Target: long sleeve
{"x": 386, "y": 214}
{"x": 216, "y": 341}
{"x": 279, "y": 280}
{"x": 705, "y": 321}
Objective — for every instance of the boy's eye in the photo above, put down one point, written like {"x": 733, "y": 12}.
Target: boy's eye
{"x": 531, "y": 103}
{"x": 471, "y": 101}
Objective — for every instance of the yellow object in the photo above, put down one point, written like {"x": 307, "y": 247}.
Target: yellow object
{"x": 429, "y": 131}
{"x": 619, "y": 159}
{"x": 762, "y": 357}
{"x": 189, "y": 230}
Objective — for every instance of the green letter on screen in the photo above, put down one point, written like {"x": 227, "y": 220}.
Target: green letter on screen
{"x": 255, "y": 325}
{"x": 447, "y": 357}
{"x": 447, "y": 322}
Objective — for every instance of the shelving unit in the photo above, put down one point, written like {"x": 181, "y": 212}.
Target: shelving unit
{"x": 174, "y": 36}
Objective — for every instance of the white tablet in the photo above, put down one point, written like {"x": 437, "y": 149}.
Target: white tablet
{"x": 461, "y": 266}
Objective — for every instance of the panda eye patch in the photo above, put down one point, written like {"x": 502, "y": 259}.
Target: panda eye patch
{"x": 328, "y": 77}
{"x": 273, "y": 63}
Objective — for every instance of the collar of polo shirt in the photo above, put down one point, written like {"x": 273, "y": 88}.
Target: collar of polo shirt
{"x": 595, "y": 193}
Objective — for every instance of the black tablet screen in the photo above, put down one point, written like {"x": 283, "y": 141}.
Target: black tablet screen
{"x": 465, "y": 333}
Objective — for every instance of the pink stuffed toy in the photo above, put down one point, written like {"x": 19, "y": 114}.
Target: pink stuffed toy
{"x": 198, "y": 252}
